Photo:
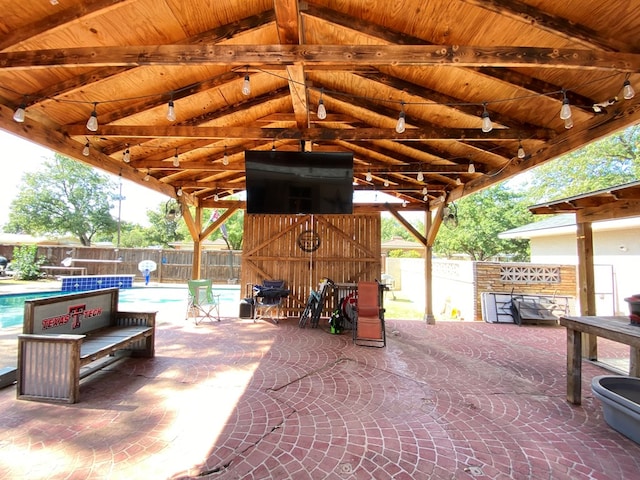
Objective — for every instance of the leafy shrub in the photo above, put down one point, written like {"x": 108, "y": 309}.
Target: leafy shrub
{"x": 25, "y": 262}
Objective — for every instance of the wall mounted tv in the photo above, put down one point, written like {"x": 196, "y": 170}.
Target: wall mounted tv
{"x": 280, "y": 182}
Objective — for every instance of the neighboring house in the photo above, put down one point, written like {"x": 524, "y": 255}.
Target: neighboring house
{"x": 399, "y": 243}
{"x": 616, "y": 255}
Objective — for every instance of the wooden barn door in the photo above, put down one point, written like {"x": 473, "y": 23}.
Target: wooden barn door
{"x": 304, "y": 249}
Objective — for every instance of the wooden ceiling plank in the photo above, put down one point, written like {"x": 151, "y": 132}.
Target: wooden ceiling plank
{"x": 324, "y": 55}
{"x": 72, "y": 14}
{"x": 563, "y": 27}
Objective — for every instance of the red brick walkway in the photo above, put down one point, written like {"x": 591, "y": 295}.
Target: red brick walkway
{"x": 238, "y": 399}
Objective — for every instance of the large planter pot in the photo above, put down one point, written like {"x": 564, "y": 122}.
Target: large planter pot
{"x": 620, "y": 397}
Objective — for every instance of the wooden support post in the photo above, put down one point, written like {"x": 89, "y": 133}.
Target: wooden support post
{"x": 574, "y": 366}
{"x": 428, "y": 274}
{"x": 586, "y": 282}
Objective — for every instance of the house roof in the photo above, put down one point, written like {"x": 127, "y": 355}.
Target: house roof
{"x": 443, "y": 64}
{"x": 565, "y": 224}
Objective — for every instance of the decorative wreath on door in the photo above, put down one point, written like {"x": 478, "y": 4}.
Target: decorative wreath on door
{"x": 308, "y": 241}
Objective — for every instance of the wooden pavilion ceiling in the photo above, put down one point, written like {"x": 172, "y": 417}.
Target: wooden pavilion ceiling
{"x": 440, "y": 62}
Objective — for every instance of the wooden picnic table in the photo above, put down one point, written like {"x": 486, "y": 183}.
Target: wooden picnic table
{"x": 619, "y": 329}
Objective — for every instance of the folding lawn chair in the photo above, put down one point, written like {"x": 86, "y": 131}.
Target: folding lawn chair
{"x": 369, "y": 330}
{"x": 202, "y": 303}
{"x": 267, "y": 298}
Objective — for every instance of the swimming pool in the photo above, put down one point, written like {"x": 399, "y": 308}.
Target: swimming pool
{"x": 140, "y": 299}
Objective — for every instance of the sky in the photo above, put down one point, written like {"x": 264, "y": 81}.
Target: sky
{"x": 20, "y": 156}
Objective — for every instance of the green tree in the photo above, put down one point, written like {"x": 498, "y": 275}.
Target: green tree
{"x": 165, "y": 223}
{"x": 231, "y": 231}
{"x": 612, "y": 161}
{"x": 481, "y": 217}
{"x": 66, "y": 197}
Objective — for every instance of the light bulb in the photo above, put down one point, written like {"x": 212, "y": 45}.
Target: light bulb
{"x": 225, "y": 159}
{"x": 568, "y": 123}
{"x": 400, "y": 125}
{"x": 246, "y": 86}
{"x": 425, "y": 198}
{"x": 322, "y": 111}
{"x": 472, "y": 168}
{"x": 458, "y": 181}
{"x": 369, "y": 177}
{"x": 404, "y": 203}
{"x": 176, "y": 160}
{"x": 179, "y": 192}
{"x": 386, "y": 182}
{"x": 18, "y": 115}
{"x": 420, "y": 176}
{"x": 487, "y": 126}
{"x": 627, "y": 91}
{"x": 85, "y": 150}
{"x": 216, "y": 197}
{"x": 92, "y": 123}
{"x": 147, "y": 177}
{"x": 171, "y": 112}
{"x": 126, "y": 158}
{"x": 565, "y": 111}
{"x": 425, "y": 191}
{"x": 521, "y": 152}
{"x": 442, "y": 198}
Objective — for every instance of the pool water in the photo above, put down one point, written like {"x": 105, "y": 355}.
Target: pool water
{"x": 148, "y": 298}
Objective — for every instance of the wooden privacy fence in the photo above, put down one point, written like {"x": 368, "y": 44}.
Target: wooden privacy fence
{"x": 304, "y": 249}
{"x": 174, "y": 266}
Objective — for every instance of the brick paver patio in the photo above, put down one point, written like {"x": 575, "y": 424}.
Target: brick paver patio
{"x": 244, "y": 400}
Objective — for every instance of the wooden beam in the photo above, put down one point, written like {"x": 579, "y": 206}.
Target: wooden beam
{"x": 319, "y": 134}
{"x": 324, "y": 56}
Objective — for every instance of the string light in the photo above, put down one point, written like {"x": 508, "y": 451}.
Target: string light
{"x": 126, "y": 158}
{"x": 568, "y": 123}
{"x": 85, "y": 150}
{"x": 565, "y": 111}
{"x": 487, "y": 126}
{"x": 92, "y": 123}
{"x": 521, "y": 152}
{"x": 20, "y": 112}
{"x": 400, "y": 125}
{"x": 246, "y": 85}
{"x": 322, "y": 111}
{"x": 627, "y": 90}
{"x": 171, "y": 110}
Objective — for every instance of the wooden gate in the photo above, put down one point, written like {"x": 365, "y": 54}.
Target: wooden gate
{"x": 304, "y": 249}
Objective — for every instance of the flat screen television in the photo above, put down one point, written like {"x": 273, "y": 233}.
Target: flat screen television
{"x": 280, "y": 182}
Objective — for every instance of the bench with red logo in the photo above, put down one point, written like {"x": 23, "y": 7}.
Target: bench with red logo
{"x": 66, "y": 338}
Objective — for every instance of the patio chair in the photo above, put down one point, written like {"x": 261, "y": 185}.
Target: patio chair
{"x": 268, "y": 299}
{"x": 202, "y": 302}
{"x": 369, "y": 328}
